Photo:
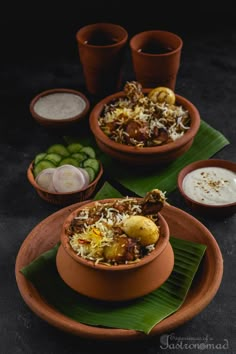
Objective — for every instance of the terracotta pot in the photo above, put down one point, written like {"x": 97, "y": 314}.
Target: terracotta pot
{"x": 101, "y": 50}
{"x": 156, "y": 58}
{"x": 147, "y": 156}
{"x": 116, "y": 282}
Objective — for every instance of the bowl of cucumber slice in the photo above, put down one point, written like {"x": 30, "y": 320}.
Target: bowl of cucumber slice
{"x": 65, "y": 174}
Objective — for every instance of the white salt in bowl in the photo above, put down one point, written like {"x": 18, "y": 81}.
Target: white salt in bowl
{"x": 59, "y": 107}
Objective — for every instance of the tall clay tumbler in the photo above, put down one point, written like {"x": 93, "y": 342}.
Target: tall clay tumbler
{"x": 101, "y": 50}
{"x": 156, "y": 58}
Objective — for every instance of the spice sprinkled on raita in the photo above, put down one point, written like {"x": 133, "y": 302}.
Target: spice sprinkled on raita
{"x": 211, "y": 185}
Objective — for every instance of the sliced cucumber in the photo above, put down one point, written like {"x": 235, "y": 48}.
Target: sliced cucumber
{"x": 69, "y": 161}
{"x": 58, "y": 149}
{"x": 55, "y": 158}
{"x": 42, "y": 165}
{"x": 94, "y": 163}
{"x": 91, "y": 173}
{"x": 39, "y": 157}
{"x": 79, "y": 156}
{"x": 74, "y": 147}
{"x": 89, "y": 151}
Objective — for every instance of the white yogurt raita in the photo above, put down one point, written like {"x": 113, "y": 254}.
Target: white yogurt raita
{"x": 211, "y": 185}
{"x": 59, "y": 105}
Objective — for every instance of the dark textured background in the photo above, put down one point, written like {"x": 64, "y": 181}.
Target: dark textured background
{"x": 38, "y": 52}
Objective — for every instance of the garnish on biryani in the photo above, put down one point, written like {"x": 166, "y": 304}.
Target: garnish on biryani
{"x": 121, "y": 231}
{"x": 144, "y": 120}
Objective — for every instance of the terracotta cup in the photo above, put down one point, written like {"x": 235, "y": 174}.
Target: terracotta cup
{"x": 156, "y": 58}
{"x": 101, "y": 50}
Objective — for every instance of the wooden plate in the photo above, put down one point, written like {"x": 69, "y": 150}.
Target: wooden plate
{"x": 182, "y": 225}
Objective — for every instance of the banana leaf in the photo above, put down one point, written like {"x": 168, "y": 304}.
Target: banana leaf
{"x": 107, "y": 191}
{"x": 207, "y": 142}
{"x": 141, "y": 314}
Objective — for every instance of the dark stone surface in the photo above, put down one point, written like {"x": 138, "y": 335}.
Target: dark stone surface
{"x": 41, "y": 54}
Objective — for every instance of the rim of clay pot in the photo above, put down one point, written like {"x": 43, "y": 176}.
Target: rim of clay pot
{"x": 45, "y": 120}
{"x": 229, "y": 165}
{"x": 100, "y": 135}
{"x": 159, "y": 247}
{"x": 139, "y": 35}
{"x": 106, "y": 26}
{"x": 31, "y": 179}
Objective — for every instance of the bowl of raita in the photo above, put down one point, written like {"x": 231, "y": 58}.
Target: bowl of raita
{"x": 209, "y": 186}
